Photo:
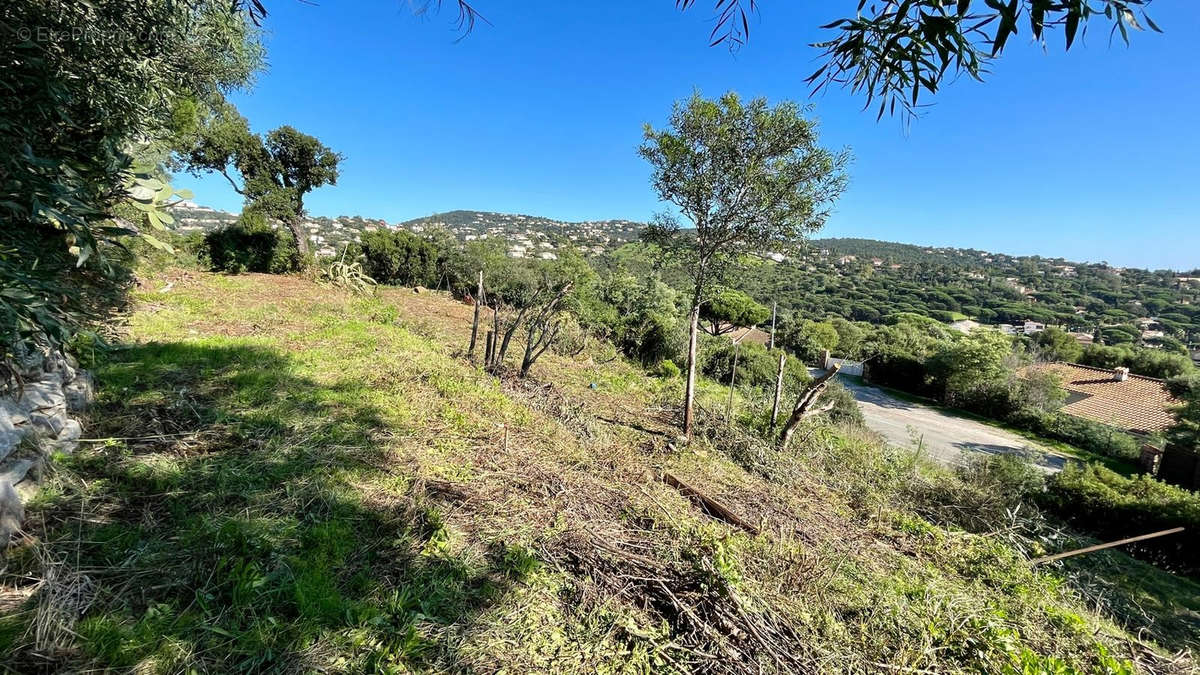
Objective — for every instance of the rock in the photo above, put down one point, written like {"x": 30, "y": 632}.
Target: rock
{"x": 10, "y": 432}
{"x": 12, "y": 512}
{"x": 51, "y": 422}
{"x": 15, "y": 471}
{"x": 79, "y": 391}
{"x": 67, "y": 441}
{"x": 42, "y": 395}
{"x": 15, "y": 415}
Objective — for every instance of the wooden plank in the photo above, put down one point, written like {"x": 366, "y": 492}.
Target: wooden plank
{"x": 1101, "y": 547}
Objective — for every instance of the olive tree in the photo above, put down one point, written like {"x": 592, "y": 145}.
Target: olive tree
{"x": 277, "y": 170}
{"x": 91, "y": 92}
{"x": 748, "y": 178}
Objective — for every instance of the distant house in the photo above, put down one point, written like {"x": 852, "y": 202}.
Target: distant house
{"x": 755, "y": 335}
{"x": 1085, "y": 339}
{"x": 1131, "y": 403}
{"x": 964, "y": 326}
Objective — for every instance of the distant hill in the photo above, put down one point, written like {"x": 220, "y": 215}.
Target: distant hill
{"x": 528, "y": 236}
{"x": 860, "y": 279}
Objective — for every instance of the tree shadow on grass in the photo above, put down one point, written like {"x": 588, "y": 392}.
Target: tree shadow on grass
{"x": 223, "y": 532}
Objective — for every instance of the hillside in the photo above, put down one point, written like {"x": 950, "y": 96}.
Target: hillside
{"x": 284, "y": 477}
{"x": 528, "y": 236}
{"x": 857, "y": 279}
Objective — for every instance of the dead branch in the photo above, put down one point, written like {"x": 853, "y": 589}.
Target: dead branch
{"x": 711, "y": 506}
{"x": 805, "y": 404}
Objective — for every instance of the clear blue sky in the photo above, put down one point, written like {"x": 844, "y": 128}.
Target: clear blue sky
{"x": 1090, "y": 155}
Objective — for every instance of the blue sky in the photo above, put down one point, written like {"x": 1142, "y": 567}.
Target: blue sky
{"x": 1089, "y": 155}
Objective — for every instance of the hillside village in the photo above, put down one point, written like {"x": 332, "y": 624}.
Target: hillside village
{"x": 1028, "y": 293}
{"x": 526, "y": 236}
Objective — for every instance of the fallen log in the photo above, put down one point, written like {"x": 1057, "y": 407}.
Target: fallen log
{"x": 711, "y": 506}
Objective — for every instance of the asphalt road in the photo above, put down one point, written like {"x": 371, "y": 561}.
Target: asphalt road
{"x": 947, "y": 438}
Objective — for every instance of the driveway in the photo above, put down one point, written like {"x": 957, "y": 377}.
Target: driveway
{"x": 948, "y": 438}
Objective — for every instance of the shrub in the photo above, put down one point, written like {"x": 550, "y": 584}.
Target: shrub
{"x": 1085, "y": 434}
{"x": 651, "y": 337}
{"x": 981, "y": 495}
{"x": 1111, "y": 506}
{"x": 251, "y": 245}
{"x": 756, "y": 367}
{"x": 845, "y": 408}
{"x": 400, "y": 258}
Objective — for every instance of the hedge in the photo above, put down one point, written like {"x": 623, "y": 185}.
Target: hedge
{"x": 1103, "y": 502}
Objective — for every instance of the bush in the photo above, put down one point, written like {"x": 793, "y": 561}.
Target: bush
{"x": 845, "y": 408}
{"x": 756, "y": 367}
{"x": 1111, "y": 506}
{"x": 651, "y": 337}
{"x": 400, "y": 258}
{"x": 250, "y": 245}
{"x": 1084, "y": 434}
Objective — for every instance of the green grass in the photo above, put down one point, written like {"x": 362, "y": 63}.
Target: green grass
{"x": 300, "y": 480}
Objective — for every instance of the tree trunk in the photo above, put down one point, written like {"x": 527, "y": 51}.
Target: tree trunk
{"x": 293, "y": 224}
{"x": 689, "y": 390}
{"x": 778, "y": 390}
{"x": 495, "y": 333}
{"x": 475, "y": 321}
{"x": 804, "y": 405}
{"x": 508, "y": 333}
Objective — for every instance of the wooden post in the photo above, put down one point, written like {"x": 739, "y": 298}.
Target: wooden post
{"x": 475, "y": 321}
{"x": 1101, "y": 547}
{"x": 489, "y": 347}
{"x": 732, "y": 377}
{"x": 771, "y": 342}
{"x": 495, "y": 333}
{"x": 778, "y": 390}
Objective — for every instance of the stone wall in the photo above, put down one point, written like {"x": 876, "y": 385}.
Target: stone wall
{"x": 35, "y": 422}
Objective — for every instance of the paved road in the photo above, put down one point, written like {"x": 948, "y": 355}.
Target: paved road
{"x": 945, "y": 437}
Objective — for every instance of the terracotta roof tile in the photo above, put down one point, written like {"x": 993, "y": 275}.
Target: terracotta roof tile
{"x": 1139, "y": 404}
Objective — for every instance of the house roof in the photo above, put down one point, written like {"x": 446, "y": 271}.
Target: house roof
{"x": 755, "y": 335}
{"x": 1138, "y": 404}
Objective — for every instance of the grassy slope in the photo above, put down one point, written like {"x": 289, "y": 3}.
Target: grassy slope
{"x": 303, "y": 480}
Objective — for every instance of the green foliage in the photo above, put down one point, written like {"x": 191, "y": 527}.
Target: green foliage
{"x": 809, "y": 339}
{"x": 1111, "y": 506}
{"x": 748, "y": 177}
{"x": 1085, "y": 434}
{"x": 728, "y": 310}
{"x": 1186, "y": 431}
{"x": 399, "y": 257}
{"x": 277, "y": 169}
{"x": 965, "y": 368}
{"x": 1149, "y": 362}
{"x": 894, "y": 52}
{"x": 90, "y": 88}
{"x": 250, "y": 245}
{"x": 1055, "y": 344}
{"x": 756, "y": 367}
